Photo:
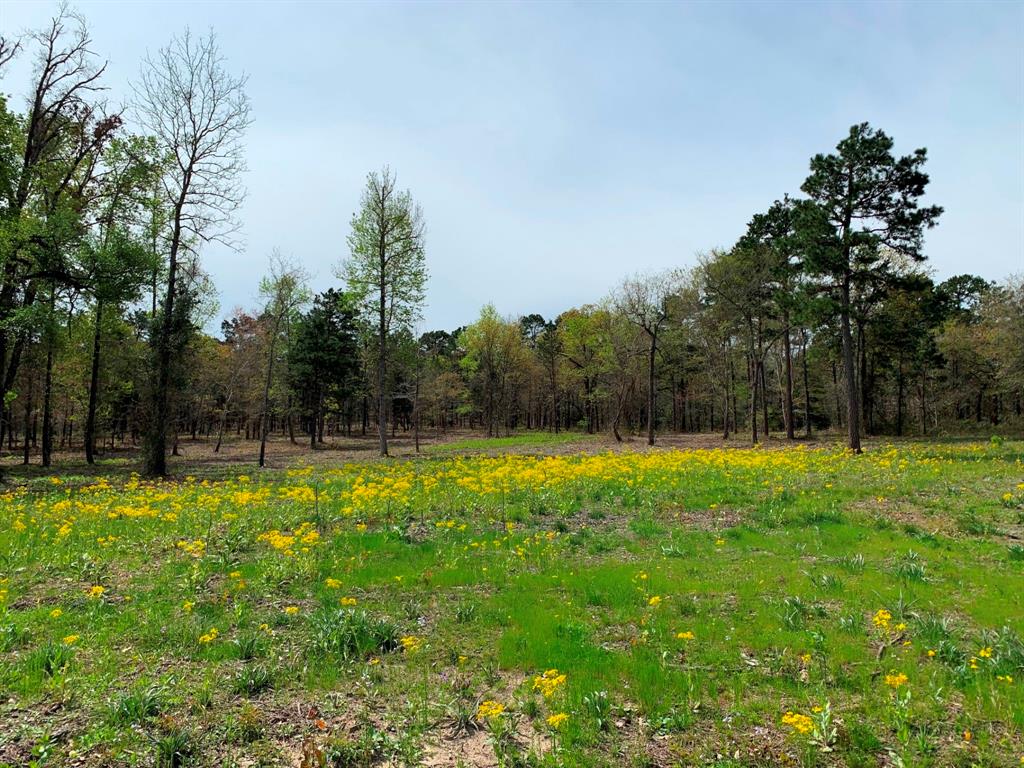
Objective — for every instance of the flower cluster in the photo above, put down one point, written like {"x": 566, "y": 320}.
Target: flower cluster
{"x": 896, "y": 680}
{"x": 800, "y": 723}
{"x": 411, "y": 643}
{"x": 489, "y": 709}
{"x": 548, "y": 683}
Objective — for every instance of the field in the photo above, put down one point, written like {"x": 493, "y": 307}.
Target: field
{"x": 727, "y": 607}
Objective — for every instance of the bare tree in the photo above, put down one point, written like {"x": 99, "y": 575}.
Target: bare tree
{"x": 198, "y": 112}
{"x": 8, "y": 50}
{"x": 644, "y": 300}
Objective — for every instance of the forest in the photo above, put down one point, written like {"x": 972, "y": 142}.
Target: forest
{"x": 822, "y": 316}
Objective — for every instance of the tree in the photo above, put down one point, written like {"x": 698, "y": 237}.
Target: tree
{"x": 236, "y": 372}
{"x": 622, "y": 348}
{"x": 581, "y": 342}
{"x": 644, "y": 300}
{"x": 198, "y": 113}
{"x": 324, "y": 357}
{"x": 386, "y": 271}
{"x": 865, "y": 198}
{"x": 549, "y": 350}
{"x": 737, "y": 283}
{"x": 47, "y": 168}
{"x": 284, "y": 291}
{"x": 116, "y": 260}
{"x": 495, "y": 355}
{"x": 773, "y": 233}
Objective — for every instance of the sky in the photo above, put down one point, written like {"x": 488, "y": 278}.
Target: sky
{"x": 557, "y": 147}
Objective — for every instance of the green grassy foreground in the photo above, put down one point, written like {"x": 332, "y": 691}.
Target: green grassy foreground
{"x": 714, "y": 608}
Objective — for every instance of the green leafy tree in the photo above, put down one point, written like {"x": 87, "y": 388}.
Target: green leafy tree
{"x": 324, "y": 357}
{"x": 495, "y": 357}
{"x": 284, "y": 291}
{"x": 387, "y": 272}
{"x": 865, "y": 198}
{"x": 116, "y": 259}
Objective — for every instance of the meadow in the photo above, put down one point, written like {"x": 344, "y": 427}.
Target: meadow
{"x": 798, "y": 606}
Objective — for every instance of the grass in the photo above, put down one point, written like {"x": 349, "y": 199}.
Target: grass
{"x": 714, "y": 608}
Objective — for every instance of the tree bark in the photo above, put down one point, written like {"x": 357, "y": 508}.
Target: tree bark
{"x": 852, "y": 406}
{"x": 382, "y": 416}
{"x": 651, "y": 392}
{"x": 28, "y": 418}
{"x": 807, "y": 386}
{"x": 266, "y": 394}
{"x": 752, "y": 378}
{"x": 156, "y": 453}
{"x": 48, "y": 388}
{"x": 94, "y": 379}
{"x": 787, "y": 349}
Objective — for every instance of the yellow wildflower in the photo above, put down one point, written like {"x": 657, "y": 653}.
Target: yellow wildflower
{"x": 557, "y": 720}
{"x": 209, "y": 637}
{"x": 798, "y": 722}
{"x": 489, "y": 709}
{"x": 896, "y": 680}
{"x": 548, "y": 683}
{"x": 411, "y": 643}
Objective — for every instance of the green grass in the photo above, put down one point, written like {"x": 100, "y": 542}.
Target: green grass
{"x": 359, "y": 615}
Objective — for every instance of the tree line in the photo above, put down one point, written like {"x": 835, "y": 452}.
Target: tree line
{"x": 821, "y": 316}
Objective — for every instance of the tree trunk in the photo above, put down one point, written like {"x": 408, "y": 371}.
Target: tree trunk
{"x": 787, "y": 349}
{"x": 762, "y": 380}
{"x": 156, "y": 450}
{"x": 852, "y": 406}
{"x": 94, "y": 378}
{"x": 651, "y": 392}
{"x": 416, "y": 414}
{"x": 554, "y": 398}
{"x": 807, "y": 387}
{"x": 48, "y": 388}
{"x": 382, "y": 415}
{"x": 266, "y": 393}
{"x": 28, "y": 419}
{"x": 752, "y": 378}
{"x": 732, "y": 392}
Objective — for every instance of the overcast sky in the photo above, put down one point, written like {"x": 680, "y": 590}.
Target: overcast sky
{"x": 555, "y": 147}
